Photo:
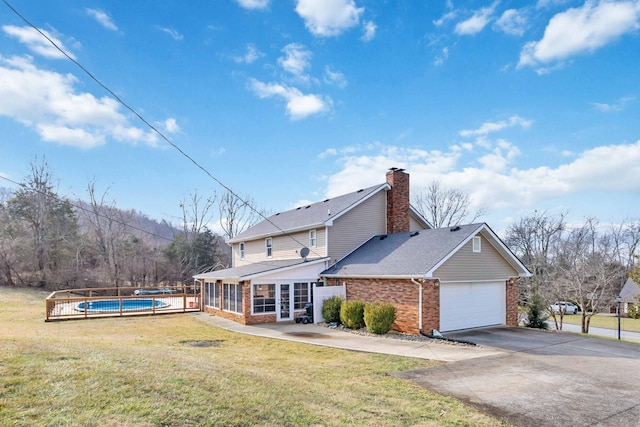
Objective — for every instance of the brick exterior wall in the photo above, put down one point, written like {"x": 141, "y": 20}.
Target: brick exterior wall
{"x": 512, "y": 301}
{"x": 398, "y": 203}
{"x": 403, "y": 294}
{"x": 430, "y": 306}
{"x": 246, "y": 317}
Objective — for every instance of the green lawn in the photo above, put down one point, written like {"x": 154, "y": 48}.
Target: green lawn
{"x": 155, "y": 371}
{"x": 606, "y": 321}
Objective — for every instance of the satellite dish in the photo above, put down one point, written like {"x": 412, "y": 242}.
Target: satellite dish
{"x": 304, "y": 252}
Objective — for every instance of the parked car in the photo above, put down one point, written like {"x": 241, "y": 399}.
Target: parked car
{"x": 565, "y": 307}
{"x": 144, "y": 291}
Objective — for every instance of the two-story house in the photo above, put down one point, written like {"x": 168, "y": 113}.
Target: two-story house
{"x": 370, "y": 245}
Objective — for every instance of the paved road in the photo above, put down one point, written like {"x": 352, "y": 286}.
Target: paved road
{"x": 543, "y": 378}
{"x": 602, "y": 332}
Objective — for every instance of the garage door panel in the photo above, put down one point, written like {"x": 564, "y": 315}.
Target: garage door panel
{"x": 471, "y": 305}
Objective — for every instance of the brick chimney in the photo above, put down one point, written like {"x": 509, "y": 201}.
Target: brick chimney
{"x": 398, "y": 201}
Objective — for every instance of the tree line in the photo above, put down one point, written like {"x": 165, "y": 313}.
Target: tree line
{"x": 583, "y": 263}
{"x": 52, "y": 243}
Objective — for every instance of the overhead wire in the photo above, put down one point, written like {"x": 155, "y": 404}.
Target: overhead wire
{"x": 101, "y": 215}
{"x": 152, "y": 127}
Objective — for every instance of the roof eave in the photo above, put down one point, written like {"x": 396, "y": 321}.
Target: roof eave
{"x": 275, "y": 233}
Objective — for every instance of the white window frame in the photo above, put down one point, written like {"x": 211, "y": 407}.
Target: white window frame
{"x": 477, "y": 244}
{"x": 212, "y": 294}
{"x": 241, "y": 250}
{"x": 264, "y": 305}
{"x": 313, "y": 238}
{"x": 232, "y": 298}
{"x": 268, "y": 247}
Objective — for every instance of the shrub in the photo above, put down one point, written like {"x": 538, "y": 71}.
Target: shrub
{"x": 352, "y": 314}
{"x": 331, "y": 309}
{"x": 633, "y": 310}
{"x": 379, "y": 317}
{"x": 536, "y": 316}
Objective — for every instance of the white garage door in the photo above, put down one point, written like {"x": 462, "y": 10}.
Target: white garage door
{"x": 471, "y": 305}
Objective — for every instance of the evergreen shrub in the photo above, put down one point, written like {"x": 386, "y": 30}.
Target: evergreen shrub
{"x": 633, "y": 311}
{"x": 331, "y": 309}
{"x": 536, "y": 315}
{"x": 352, "y": 314}
{"x": 379, "y": 316}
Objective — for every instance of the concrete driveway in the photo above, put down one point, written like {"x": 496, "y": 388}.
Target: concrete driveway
{"x": 543, "y": 378}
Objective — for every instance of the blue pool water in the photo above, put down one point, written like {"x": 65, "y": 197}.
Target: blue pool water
{"x": 127, "y": 305}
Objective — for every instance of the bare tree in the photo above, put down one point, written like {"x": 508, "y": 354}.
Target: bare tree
{"x": 237, "y": 214}
{"x": 195, "y": 249}
{"x": 535, "y": 239}
{"x": 587, "y": 271}
{"x": 446, "y": 207}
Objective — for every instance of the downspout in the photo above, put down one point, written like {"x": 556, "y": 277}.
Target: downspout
{"x": 440, "y": 337}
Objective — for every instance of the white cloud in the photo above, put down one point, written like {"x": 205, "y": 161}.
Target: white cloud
{"x": 173, "y": 33}
{"x": 171, "y": 126}
{"x": 493, "y": 180}
{"x": 335, "y": 78}
{"x": 328, "y": 152}
{"x": 217, "y": 152}
{"x": 299, "y": 105}
{"x": 329, "y": 18}
{"x": 512, "y": 22}
{"x": 103, "y": 18}
{"x": 36, "y": 42}
{"x": 489, "y": 127}
{"x": 617, "y": 106}
{"x": 49, "y": 103}
{"x": 369, "y": 31}
{"x": 449, "y": 16}
{"x": 581, "y": 30}
{"x": 253, "y": 4}
{"x": 251, "y": 55}
{"x": 296, "y": 61}
{"x": 477, "y": 22}
{"x": 440, "y": 59}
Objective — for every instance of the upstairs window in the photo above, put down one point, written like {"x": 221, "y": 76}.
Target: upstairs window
{"x": 268, "y": 247}
{"x": 477, "y": 244}
{"x": 242, "y": 250}
{"x": 312, "y": 238}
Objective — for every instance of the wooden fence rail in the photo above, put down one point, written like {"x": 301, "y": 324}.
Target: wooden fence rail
{"x": 121, "y": 301}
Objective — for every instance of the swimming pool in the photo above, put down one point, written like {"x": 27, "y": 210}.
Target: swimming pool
{"x": 108, "y": 305}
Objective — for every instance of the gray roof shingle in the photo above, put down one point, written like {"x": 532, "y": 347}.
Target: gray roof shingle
{"x": 402, "y": 254}
{"x": 630, "y": 291}
{"x": 245, "y": 271}
{"x": 306, "y": 216}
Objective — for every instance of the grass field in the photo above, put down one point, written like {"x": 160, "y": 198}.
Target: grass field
{"x": 174, "y": 370}
{"x": 604, "y": 321}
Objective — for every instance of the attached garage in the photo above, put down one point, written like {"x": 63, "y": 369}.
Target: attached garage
{"x": 472, "y": 305}
{"x": 445, "y": 279}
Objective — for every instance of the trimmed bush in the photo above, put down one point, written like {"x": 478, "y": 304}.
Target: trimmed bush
{"x": 379, "y": 316}
{"x": 633, "y": 311}
{"x": 352, "y": 314}
{"x": 331, "y": 309}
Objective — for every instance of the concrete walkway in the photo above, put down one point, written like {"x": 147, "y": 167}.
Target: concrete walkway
{"x": 329, "y": 337}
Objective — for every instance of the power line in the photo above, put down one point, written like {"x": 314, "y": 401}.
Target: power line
{"x": 153, "y": 128}
{"x": 123, "y": 223}
{"x": 82, "y": 208}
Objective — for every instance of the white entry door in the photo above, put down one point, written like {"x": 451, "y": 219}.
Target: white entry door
{"x": 472, "y": 305}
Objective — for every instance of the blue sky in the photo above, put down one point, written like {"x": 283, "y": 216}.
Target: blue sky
{"x": 523, "y": 105}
